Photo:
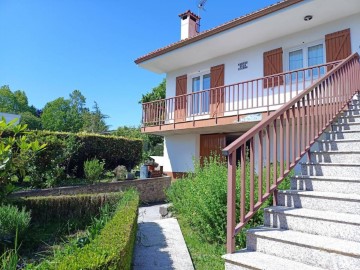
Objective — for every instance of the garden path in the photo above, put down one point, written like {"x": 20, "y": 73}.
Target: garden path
{"x": 160, "y": 244}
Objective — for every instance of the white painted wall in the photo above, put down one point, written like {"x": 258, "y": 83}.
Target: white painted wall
{"x": 254, "y": 55}
{"x": 179, "y": 152}
{"x": 8, "y": 117}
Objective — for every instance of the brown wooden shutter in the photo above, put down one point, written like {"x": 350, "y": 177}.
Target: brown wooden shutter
{"x": 180, "y": 99}
{"x": 211, "y": 144}
{"x": 217, "y": 77}
{"x": 338, "y": 45}
{"x": 273, "y": 64}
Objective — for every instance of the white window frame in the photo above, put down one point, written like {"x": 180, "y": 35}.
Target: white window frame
{"x": 304, "y": 47}
{"x": 190, "y": 88}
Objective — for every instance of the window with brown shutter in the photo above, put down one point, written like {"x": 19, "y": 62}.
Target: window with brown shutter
{"x": 218, "y": 93}
{"x": 338, "y": 45}
{"x": 180, "y": 99}
{"x": 273, "y": 64}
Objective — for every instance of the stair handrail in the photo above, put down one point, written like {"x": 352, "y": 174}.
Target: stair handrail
{"x": 313, "y": 109}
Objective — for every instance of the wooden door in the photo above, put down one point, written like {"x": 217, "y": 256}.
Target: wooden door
{"x": 273, "y": 64}
{"x": 180, "y": 99}
{"x": 211, "y": 144}
{"x": 338, "y": 45}
{"x": 217, "y": 93}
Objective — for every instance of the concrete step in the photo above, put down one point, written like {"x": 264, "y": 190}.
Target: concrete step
{"x": 345, "y": 127}
{"x": 352, "y": 157}
{"x": 322, "y": 201}
{"x": 330, "y": 169}
{"x": 245, "y": 259}
{"x": 320, "y": 251}
{"x": 353, "y": 111}
{"x": 337, "y": 225}
{"x": 345, "y": 185}
{"x": 348, "y": 119}
{"x": 343, "y": 135}
{"x": 339, "y": 145}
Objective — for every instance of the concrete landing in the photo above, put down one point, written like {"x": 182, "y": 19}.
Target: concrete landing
{"x": 160, "y": 244}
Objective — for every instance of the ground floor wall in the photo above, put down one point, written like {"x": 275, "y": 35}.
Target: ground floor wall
{"x": 181, "y": 151}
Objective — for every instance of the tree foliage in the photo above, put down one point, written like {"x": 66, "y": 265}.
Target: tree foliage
{"x": 94, "y": 121}
{"x": 158, "y": 92}
{"x": 72, "y": 115}
{"x": 14, "y": 102}
{"x": 16, "y": 152}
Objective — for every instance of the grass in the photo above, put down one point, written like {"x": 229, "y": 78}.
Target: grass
{"x": 203, "y": 254}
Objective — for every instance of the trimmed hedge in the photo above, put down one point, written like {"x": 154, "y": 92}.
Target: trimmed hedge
{"x": 112, "y": 248}
{"x": 114, "y": 150}
{"x": 59, "y": 208}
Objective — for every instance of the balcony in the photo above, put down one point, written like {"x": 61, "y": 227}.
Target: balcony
{"x": 243, "y": 102}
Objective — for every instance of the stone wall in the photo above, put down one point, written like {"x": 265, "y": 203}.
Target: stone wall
{"x": 151, "y": 189}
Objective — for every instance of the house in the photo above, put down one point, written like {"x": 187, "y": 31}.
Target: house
{"x": 274, "y": 90}
{"x": 8, "y": 117}
{"x": 232, "y": 60}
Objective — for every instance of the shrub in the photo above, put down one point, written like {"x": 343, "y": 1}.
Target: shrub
{"x": 112, "y": 248}
{"x": 201, "y": 198}
{"x": 12, "y": 221}
{"x": 69, "y": 152}
{"x": 120, "y": 173}
{"x": 93, "y": 169}
{"x": 59, "y": 208}
{"x": 52, "y": 166}
{"x": 16, "y": 152}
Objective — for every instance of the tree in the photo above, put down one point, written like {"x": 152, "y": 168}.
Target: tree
{"x": 65, "y": 114}
{"x": 56, "y": 116}
{"x": 33, "y": 122}
{"x": 94, "y": 121}
{"x": 16, "y": 102}
{"x": 158, "y": 92}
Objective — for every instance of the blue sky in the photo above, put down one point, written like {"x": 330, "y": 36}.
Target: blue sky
{"x": 49, "y": 48}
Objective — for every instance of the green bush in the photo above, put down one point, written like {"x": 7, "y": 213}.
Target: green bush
{"x": 201, "y": 199}
{"x": 112, "y": 248}
{"x": 13, "y": 220}
{"x": 59, "y": 208}
{"x": 66, "y": 153}
{"x": 52, "y": 166}
{"x": 93, "y": 169}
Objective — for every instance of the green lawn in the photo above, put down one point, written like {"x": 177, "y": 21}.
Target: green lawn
{"x": 205, "y": 256}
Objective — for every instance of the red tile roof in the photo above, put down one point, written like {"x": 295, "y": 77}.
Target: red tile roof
{"x": 228, "y": 25}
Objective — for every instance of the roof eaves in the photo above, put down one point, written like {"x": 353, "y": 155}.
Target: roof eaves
{"x": 218, "y": 29}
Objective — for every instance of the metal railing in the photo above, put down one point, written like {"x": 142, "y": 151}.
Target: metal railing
{"x": 282, "y": 139}
{"x": 260, "y": 94}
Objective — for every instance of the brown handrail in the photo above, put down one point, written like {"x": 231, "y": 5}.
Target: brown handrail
{"x": 283, "y": 138}
{"x": 257, "y": 93}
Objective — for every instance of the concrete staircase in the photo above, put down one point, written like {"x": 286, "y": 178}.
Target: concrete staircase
{"x": 316, "y": 224}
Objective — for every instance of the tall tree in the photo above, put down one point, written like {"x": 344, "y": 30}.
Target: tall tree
{"x": 56, "y": 116}
{"x": 14, "y": 102}
{"x": 158, "y": 92}
{"x": 94, "y": 121}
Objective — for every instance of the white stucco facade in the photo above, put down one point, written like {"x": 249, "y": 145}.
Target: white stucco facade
{"x": 180, "y": 151}
{"x": 277, "y": 30}
{"x": 254, "y": 54}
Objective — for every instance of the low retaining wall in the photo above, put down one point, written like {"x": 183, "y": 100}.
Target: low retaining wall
{"x": 151, "y": 189}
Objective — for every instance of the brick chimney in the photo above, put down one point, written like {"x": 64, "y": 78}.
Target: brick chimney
{"x": 190, "y": 24}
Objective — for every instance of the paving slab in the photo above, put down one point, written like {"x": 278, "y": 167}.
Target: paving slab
{"x": 160, "y": 244}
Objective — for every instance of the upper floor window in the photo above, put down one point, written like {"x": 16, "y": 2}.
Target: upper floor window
{"x": 200, "y": 101}
{"x": 307, "y": 56}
